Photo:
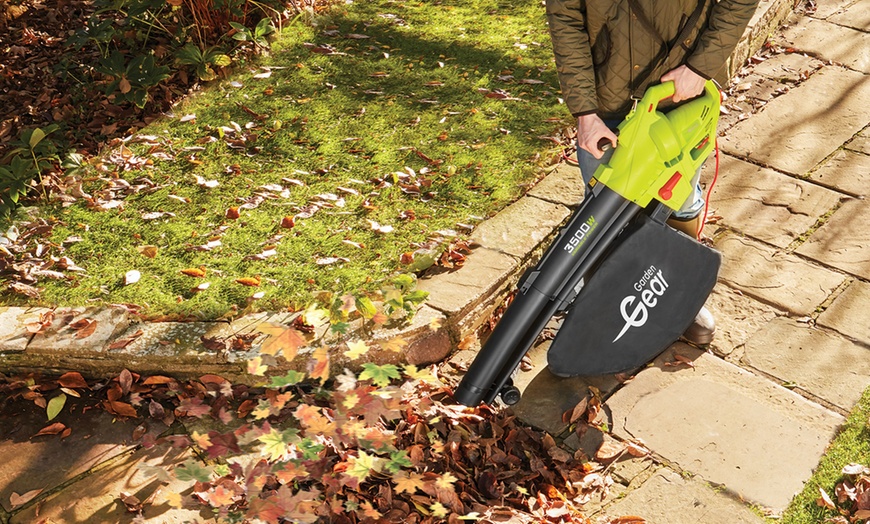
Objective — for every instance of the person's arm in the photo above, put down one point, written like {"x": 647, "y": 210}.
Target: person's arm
{"x": 573, "y": 53}
{"x": 715, "y": 44}
{"x": 718, "y": 39}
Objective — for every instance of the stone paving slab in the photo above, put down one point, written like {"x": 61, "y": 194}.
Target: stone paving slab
{"x": 767, "y": 205}
{"x": 861, "y": 142}
{"x": 843, "y": 241}
{"x": 785, "y": 281}
{"x": 845, "y": 171}
{"x": 787, "y": 67}
{"x": 737, "y": 316}
{"x": 14, "y": 335}
{"x": 471, "y": 294}
{"x": 545, "y": 397}
{"x": 47, "y": 461}
{"x": 823, "y": 363}
{"x": 796, "y": 131}
{"x": 830, "y": 8}
{"x": 563, "y": 185}
{"x": 521, "y": 227}
{"x": 848, "y": 313}
{"x": 668, "y": 498}
{"x": 829, "y": 41}
{"x": 172, "y": 342}
{"x": 95, "y": 498}
{"x": 717, "y": 421}
{"x": 110, "y": 321}
{"x": 858, "y": 16}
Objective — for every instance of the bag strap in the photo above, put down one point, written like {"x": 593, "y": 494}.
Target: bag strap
{"x": 667, "y": 50}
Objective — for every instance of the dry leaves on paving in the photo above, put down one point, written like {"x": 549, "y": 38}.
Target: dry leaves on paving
{"x": 370, "y": 448}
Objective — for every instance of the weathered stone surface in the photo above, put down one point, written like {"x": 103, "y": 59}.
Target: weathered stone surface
{"x": 860, "y": 143}
{"x": 857, "y": 17}
{"x": 768, "y": 205}
{"x": 821, "y": 362}
{"x": 717, "y": 421}
{"x": 844, "y": 240}
{"x": 848, "y": 313}
{"x": 668, "y": 498}
{"x": 45, "y": 462}
{"x": 845, "y": 171}
{"x": 563, "y": 185}
{"x": 545, "y": 397}
{"x": 737, "y": 318}
{"x": 14, "y": 335}
{"x": 472, "y": 293}
{"x": 110, "y": 321}
{"x": 788, "y": 67}
{"x": 96, "y": 498}
{"x": 785, "y": 281}
{"x": 831, "y": 8}
{"x": 829, "y": 41}
{"x": 427, "y": 339}
{"x": 172, "y": 342}
{"x": 521, "y": 227}
{"x": 794, "y": 141}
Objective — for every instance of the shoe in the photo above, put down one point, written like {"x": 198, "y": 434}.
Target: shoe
{"x": 700, "y": 333}
{"x": 689, "y": 226}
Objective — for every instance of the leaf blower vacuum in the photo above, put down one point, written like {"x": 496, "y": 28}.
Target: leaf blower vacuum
{"x": 629, "y": 284}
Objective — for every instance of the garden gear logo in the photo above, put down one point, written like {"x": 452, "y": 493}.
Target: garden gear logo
{"x": 649, "y": 287}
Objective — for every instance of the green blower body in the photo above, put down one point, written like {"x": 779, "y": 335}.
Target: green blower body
{"x": 628, "y": 284}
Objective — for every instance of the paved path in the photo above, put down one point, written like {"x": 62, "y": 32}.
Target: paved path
{"x": 728, "y": 441}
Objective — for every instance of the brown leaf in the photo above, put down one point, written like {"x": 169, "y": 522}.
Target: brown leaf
{"x": 125, "y": 379}
{"x": 84, "y": 327}
{"x": 629, "y": 519}
{"x": 157, "y": 380}
{"x": 122, "y": 409}
{"x": 320, "y": 364}
{"x": 609, "y": 449}
{"x": 288, "y": 222}
{"x": 72, "y": 379}
{"x": 233, "y": 213}
{"x": 51, "y": 429}
{"x": 248, "y": 281}
{"x": 124, "y": 342}
{"x": 825, "y": 500}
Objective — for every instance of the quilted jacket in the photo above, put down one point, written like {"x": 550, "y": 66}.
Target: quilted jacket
{"x": 606, "y": 52}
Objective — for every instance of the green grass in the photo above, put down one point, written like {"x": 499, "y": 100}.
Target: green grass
{"x": 412, "y": 95}
{"x": 852, "y": 445}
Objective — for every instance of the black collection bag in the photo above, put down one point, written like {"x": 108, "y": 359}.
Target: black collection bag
{"x": 637, "y": 303}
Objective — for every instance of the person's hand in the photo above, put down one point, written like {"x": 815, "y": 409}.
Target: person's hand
{"x": 590, "y": 130}
{"x": 687, "y": 83}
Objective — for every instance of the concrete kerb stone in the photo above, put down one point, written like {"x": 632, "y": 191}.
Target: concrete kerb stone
{"x": 715, "y": 420}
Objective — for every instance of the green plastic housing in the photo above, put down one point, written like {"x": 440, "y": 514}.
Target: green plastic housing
{"x": 657, "y": 154}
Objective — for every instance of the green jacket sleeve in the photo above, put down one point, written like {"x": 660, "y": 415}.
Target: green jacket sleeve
{"x": 724, "y": 29}
{"x": 573, "y": 54}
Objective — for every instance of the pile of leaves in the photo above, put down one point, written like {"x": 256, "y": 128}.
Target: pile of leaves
{"x": 387, "y": 443}
{"x": 851, "y": 499}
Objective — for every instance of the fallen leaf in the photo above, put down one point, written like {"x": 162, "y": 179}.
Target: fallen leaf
{"x": 147, "y": 251}
{"x": 248, "y": 281}
{"x": 282, "y": 338}
{"x": 825, "y": 500}
{"x": 356, "y": 349}
{"x": 131, "y": 277}
{"x": 609, "y": 449}
{"x": 19, "y": 500}
{"x": 51, "y": 429}
{"x": 288, "y": 222}
{"x": 84, "y": 327}
{"x": 232, "y": 213}
{"x": 72, "y": 379}
{"x": 197, "y": 272}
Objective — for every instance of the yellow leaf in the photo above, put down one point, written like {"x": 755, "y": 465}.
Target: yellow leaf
{"x": 408, "y": 483}
{"x": 197, "y": 272}
{"x": 148, "y": 251}
{"x": 396, "y": 345}
{"x": 173, "y": 499}
{"x": 438, "y": 510}
{"x": 446, "y": 481}
{"x": 203, "y": 441}
{"x": 423, "y": 375}
{"x": 435, "y": 323}
{"x": 256, "y": 367}
{"x": 356, "y": 349}
{"x": 350, "y": 401}
{"x": 249, "y": 281}
{"x": 320, "y": 366}
{"x": 282, "y": 338}
{"x": 314, "y": 316}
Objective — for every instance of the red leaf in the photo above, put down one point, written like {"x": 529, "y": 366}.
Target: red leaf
{"x": 73, "y": 380}
{"x": 121, "y": 409}
{"x": 51, "y": 429}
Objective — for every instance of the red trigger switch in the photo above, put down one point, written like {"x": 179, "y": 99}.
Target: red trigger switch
{"x": 667, "y": 190}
